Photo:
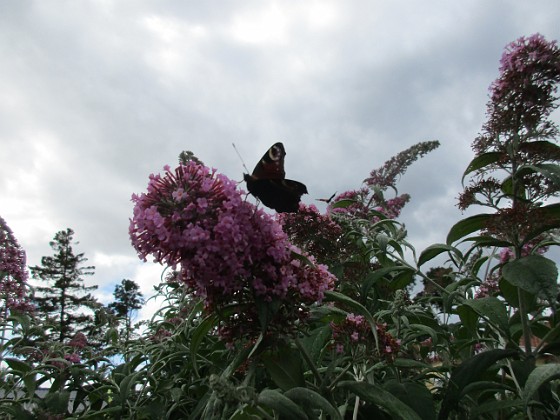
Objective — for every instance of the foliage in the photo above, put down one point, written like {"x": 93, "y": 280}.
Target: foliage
{"x": 254, "y": 325}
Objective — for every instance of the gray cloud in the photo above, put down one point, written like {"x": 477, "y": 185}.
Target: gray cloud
{"x": 96, "y": 95}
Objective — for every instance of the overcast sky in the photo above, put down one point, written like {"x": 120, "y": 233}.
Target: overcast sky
{"x": 96, "y": 95}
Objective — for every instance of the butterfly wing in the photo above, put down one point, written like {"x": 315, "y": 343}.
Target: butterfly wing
{"x": 267, "y": 182}
{"x": 271, "y": 166}
{"x": 282, "y": 195}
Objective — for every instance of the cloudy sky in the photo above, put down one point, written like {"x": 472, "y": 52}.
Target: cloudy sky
{"x": 96, "y": 95}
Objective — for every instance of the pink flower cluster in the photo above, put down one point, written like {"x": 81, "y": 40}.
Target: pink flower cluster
{"x": 79, "y": 341}
{"x": 364, "y": 200}
{"x": 524, "y": 58}
{"x": 356, "y": 330}
{"x": 228, "y": 251}
{"x": 13, "y": 271}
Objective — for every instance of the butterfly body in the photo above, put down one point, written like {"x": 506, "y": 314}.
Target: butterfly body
{"x": 268, "y": 183}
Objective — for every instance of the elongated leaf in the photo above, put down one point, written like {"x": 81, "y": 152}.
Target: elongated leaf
{"x": 494, "y": 407}
{"x": 18, "y": 367}
{"x": 285, "y": 368}
{"x": 467, "y": 226}
{"x": 281, "y": 404}
{"x": 374, "y": 394}
{"x": 198, "y": 335}
{"x": 482, "y": 161}
{"x": 410, "y": 364}
{"x": 467, "y": 372}
{"x": 375, "y": 276}
{"x": 548, "y": 170}
{"x": 434, "y": 250}
{"x": 534, "y": 274}
{"x": 493, "y": 309}
{"x": 308, "y": 398}
{"x": 538, "y": 377}
{"x": 343, "y": 203}
{"x": 351, "y": 303}
{"x": 415, "y": 395}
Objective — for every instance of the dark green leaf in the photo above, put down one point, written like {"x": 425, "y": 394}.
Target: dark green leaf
{"x": 198, "y": 335}
{"x": 493, "y": 407}
{"x": 469, "y": 319}
{"x": 467, "y": 226}
{"x": 482, "y": 161}
{"x": 434, "y": 250}
{"x": 467, "y": 372}
{"x": 18, "y": 367}
{"x": 374, "y": 394}
{"x": 492, "y": 309}
{"x": 284, "y": 367}
{"x": 308, "y": 398}
{"x": 343, "y": 203}
{"x": 538, "y": 377}
{"x": 415, "y": 395}
{"x": 534, "y": 274}
{"x": 281, "y": 404}
{"x": 548, "y": 170}
{"x": 57, "y": 402}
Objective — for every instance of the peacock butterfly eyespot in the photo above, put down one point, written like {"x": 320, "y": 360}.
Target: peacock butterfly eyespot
{"x": 268, "y": 183}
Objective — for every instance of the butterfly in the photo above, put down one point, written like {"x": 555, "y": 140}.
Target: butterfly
{"x": 268, "y": 183}
{"x": 327, "y": 200}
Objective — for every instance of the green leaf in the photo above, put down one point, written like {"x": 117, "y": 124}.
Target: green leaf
{"x": 410, "y": 364}
{"x": 482, "y": 161}
{"x": 376, "y": 275}
{"x": 308, "y": 398}
{"x": 467, "y": 372}
{"x": 548, "y": 170}
{"x": 469, "y": 319}
{"x": 415, "y": 395}
{"x": 281, "y": 404}
{"x": 127, "y": 384}
{"x": 57, "y": 402}
{"x": 491, "y": 308}
{"x": 534, "y": 274}
{"x": 493, "y": 407}
{"x": 18, "y": 366}
{"x": 511, "y": 295}
{"x": 198, "y": 335}
{"x": 340, "y": 204}
{"x": 467, "y": 226}
{"x": 266, "y": 311}
{"x": 538, "y": 377}
{"x": 284, "y": 367}
{"x": 434, "y": 250}
{"x": 374, "y": 394}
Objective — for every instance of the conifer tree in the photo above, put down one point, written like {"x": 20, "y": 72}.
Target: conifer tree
{"x": 128, "y": 299}
{"x": 64, "y": 300}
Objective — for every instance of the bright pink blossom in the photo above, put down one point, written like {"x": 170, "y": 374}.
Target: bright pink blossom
{"x": 229, "y": 252}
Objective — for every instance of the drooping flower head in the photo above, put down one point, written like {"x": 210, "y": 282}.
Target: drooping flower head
{"x": 229, "y": 252}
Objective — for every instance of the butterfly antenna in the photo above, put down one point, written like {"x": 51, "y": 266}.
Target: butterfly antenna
{"x": 240, "y": 158}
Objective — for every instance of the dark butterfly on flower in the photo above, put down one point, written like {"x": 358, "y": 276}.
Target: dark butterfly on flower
{"x": 268, "y": 184}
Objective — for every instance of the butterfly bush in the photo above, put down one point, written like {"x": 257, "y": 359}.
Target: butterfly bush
{"x": 13, "y": 272}
{"x": 226, "y": 250}
{"x": 354, "y": 332}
